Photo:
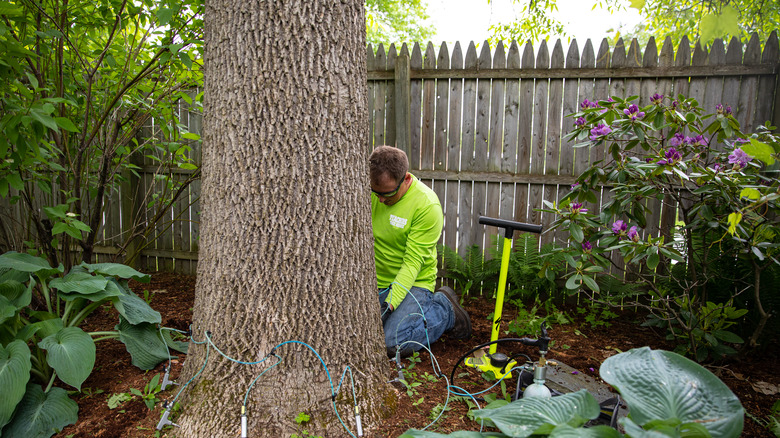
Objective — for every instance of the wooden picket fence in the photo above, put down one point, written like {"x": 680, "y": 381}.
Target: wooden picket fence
{"x": 485, "y": 130}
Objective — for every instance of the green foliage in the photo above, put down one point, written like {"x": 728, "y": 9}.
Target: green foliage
{"x": 727, "y": 209}
{"x": 667, "y": 394}
{"x": 116, "y": 400}
{"x": 396, "y": 21}
{"x": 302, "y": 420}
{"x": 77, "y": 82}
{"x": 149, "y": 394}
{"x": 694, "y": 19}
{"x": 532, "y": 271}
{"x": 597, "y": 315}
{"x": 528, "y": 321}
{"x": 470, "y": 271}
{"x": 41, "y": 309}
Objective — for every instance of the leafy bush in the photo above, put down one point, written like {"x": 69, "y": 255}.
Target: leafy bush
{"x": 41, "y": 309}
{"x": 667, "y": 394}
{"x": 713, "y": 183}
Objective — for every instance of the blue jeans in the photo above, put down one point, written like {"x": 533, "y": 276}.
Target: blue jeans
{"x": 406, "y": 327}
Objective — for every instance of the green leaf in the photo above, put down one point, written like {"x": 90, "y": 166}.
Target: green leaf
{"x": 720, "y": 25}
{"x": 653, "y": 260}
{"x": 143, "y": 342}
{"x": 727, "y": 336}
{"x": 759, "y": 150}
{"x": 71, "y": 352}
{"x": 591, "y": 283}
{"x": 524, "y": 417}
{"x": 414, "y": 433}
{"x": 117, "y": 270}
{"x": 80, "y": 282}
{"x": 576, "y": 232}
{"x": 41, "y": 415}
{"x": 734, "y": 219}
{"x": 659, "y": 384}
{"x": 134, "y": 309}
{"x": 26, "y": 263}
{"x": 566, "y": 431}
{"x": 573, "y": 282}
{"x": 15, "y": 368}
{"x": 66, "y": 124}
{"x": 750, "y": 193}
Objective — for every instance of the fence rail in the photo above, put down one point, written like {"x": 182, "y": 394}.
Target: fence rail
{"x": 485, "y": 128}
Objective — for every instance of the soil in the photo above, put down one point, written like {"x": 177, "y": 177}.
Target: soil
{"x": 576, "y": 344}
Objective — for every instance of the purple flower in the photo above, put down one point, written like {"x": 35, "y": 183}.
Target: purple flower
{"x": 599, "y": 131}
{"x": 633, "y": 112}
{"x": 619, "y": 227}
{"x": 728, "y": 110}
{"x": 678, "y": 139}
{"x": 574, "y": 186}
{"x": 576, "y": 207}
{"x": 586, "y": 246}
{"x": 671, "y": 157}
{"x": 580, "y": 122}
{"x": 716, "y": 167}
{"x": 588, "y": 104}
{"x": 699, "y": 140}
{"x": 719, "y": 108}
{"x": 739, "y": 158}
{"x": 633, "y": 234}
{"x": 657, "y": 99}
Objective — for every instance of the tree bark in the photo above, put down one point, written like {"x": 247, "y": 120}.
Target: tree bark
{"x": 286, "y": 246}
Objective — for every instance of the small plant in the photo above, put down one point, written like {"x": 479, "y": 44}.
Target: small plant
{"x": 302, "y": 420}
{"x": 597, "y": 315}
{"x": 115, "y": 400}
{"x": 149, "y": 395}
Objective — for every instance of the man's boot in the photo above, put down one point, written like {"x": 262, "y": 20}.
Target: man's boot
{"x": 461, "y": 329}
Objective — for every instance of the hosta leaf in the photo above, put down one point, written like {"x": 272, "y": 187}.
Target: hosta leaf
{"x": 79, "y": 282}
{"x": 41, "y": 415}
{"x": 143, "y": 342}
{"x": 524, "y": 417}
{"x": 118, "y": 270}
{"x": 112, "y": 290}
{"x": 134, "y": 309}
{"x": 71, "y": 352}
{"x": 14, "y": 373}
{"x": 566, "y": 431}
{"x": 26, "y": 263}
{"x": 7, "y": 309}
{"x": 659, "y": 384}
{"x": 17, "y": 293}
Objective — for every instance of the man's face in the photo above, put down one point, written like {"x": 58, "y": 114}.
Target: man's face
{"x": 388, "y": 190}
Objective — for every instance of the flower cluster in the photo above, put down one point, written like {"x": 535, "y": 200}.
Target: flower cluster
{"x": 580, "y": 122}
{"x": 619, "y": 227}
{"x": 679, "y": 140}
{"x": 587, "y": 246}
{"x": 721, "y": 110}
{"x": 588, "y": 104}
{"x": 599, "y": 131}
{"x": 671, "y": 157}
{"x": 576, "y": 207}
{"x": 657, "y": 99}
{"x": 633, "y": 112}
{"x": 739, "y": 158}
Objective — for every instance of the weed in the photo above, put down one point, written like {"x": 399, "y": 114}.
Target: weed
{"x": 117, "y": 399}
{"x": 149, "y": 395}
{"x": 301, "y": 420}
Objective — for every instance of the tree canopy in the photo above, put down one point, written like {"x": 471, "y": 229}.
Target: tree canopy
{"x": 397, "y": 21}
{"x": 702, "y": 20}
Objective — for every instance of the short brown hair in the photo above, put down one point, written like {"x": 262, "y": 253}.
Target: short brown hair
{"x": 389, "y": 160}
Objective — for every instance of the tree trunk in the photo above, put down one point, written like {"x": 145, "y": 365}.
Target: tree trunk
{"x": 286, "y": 245}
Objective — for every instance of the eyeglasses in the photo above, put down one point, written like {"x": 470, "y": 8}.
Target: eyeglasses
{"x": 391, "y": 193}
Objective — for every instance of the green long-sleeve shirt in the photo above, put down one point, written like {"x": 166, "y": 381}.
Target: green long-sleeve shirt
{"x": 405, "y": 238}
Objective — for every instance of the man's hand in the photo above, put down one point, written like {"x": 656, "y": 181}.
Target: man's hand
{"x": 385, "y": 310}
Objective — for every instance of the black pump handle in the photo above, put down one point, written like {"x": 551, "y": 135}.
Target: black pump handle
{"x": 510, "y": 226}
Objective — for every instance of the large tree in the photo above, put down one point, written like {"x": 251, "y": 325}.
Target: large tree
{"x": 286, "y": 247}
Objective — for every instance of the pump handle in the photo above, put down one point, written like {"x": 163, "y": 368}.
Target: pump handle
{"x": 510, "y": 226}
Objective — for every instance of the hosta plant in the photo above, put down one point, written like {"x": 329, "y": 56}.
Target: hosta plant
{"x": 667, "y": 394}
{"x": 41, "y": 343}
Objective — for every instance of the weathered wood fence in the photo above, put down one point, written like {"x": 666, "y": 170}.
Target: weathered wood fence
{"x": 485, "y": 129}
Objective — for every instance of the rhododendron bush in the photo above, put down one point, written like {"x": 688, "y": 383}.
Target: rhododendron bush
{"x": 680, "y": 216}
